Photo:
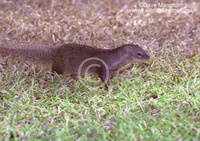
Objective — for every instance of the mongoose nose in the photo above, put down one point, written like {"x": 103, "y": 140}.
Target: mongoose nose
{"x": 146, "y": 56}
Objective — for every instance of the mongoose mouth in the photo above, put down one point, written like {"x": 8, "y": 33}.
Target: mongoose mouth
{"x": 148, "y": 58}
{"x": 144, "y": 58}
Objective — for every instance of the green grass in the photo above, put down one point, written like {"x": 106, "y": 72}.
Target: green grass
{"x": 158, "y": 100}
{"x": 164, "y": 107}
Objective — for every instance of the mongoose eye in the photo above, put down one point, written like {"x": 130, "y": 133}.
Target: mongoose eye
{"x": 139, "y": 54}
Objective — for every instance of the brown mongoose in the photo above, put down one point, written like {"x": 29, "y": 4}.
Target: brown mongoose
{"x": 68, "y": 58}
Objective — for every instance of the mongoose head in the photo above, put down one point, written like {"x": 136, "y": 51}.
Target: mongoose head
{"x": 134, "y": 53}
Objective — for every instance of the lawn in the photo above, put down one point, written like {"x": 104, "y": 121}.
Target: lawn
{"x": 156, "y": 100}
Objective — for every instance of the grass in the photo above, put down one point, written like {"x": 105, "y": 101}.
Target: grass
{"x": 158, "y": 100}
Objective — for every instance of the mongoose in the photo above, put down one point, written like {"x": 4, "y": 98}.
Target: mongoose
{"x": 68, "y": 58}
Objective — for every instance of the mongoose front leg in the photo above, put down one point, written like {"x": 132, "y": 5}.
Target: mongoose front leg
{"x": 74, "y": 76}
{"x": 112, "y": 74}
{"x": 105, "y": 78}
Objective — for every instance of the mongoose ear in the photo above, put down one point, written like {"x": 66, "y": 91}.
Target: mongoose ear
{"x": 127, "y": 50}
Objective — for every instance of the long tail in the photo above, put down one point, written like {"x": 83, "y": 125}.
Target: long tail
{"x": 35, "y": 53}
